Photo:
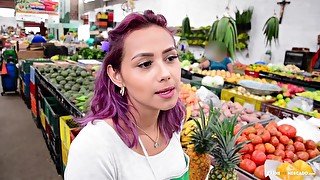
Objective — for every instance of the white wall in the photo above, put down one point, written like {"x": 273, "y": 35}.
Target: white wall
{"x": 300, "y": 25}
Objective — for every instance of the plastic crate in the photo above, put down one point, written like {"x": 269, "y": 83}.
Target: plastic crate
{"x": 281, "y": 112}
{"x": 26, "y": 64}
{"x": 229, "y": 96}
{"x": 34, "y": 107}
{"x": 33, "y": 89}
{"x": 53, "y": 110}
{"x": 67, "y": 134}
{"x": 252, "y": 73}
{"x": 64, "y": 154}
{"x": 43, "y": 119}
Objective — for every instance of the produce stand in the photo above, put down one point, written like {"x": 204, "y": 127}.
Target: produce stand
{"x": 281, "y": 112}
{"x": 298, "y": 82}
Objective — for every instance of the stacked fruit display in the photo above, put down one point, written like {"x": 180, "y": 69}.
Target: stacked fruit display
{"x": 283, "y": 103}
{"x": 296, "y": 170}
{"x": 290, "y": 90}
{"x": 315, "y": 95}
{"x": 188, "y": 95}
{"x": 273, "y": 142}
{"x": 74, "y": 82}
{"x": 257, "y": 67}
{"x": 229, "y": 77}
{"x": 242, "y": 91}
{"x": 230, "y": 109}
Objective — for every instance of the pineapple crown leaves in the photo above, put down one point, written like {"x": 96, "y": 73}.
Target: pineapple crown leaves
{"x": 202, "y": 136}
{"x": 271, "y": 30}
{"x": 225, "y": 148}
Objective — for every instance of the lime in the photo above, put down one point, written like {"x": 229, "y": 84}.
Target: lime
{"x": 279, "y": 96}
{"x": 287, "y": 100}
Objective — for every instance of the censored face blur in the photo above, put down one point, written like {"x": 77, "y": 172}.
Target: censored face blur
{"x": 150, "y": 68}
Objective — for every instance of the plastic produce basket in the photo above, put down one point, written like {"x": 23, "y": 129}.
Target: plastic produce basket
{"x": 67, "y": 133}
{"x": 53, "y": 110}
{"x": 29, "y": 62}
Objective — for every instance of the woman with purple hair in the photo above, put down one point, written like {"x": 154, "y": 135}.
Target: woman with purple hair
{"x": 132, "y": 130}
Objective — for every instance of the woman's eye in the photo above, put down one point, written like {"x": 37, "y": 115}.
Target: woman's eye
{"x": 145, "y": 64}
{"x": 172, "y": 58}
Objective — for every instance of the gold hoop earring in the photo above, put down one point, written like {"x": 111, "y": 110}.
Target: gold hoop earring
{"x": 122, "y": 91}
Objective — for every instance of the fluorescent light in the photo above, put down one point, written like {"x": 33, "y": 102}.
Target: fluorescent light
{"x": 7, "y": 12}
{"x": 86, "y": 1}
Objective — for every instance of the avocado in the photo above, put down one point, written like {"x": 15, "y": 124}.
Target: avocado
{"x": 79, "y": 80}
{"x": 64, "y": 73}
{"x": 59, "y": 78}
{"x": 73, "y": 74}
{"x": 63, "y": 82}
{"x": 69, "y": 78}
{"x": 67, "y": 87}
{"x": 75, "y": 87}
{"x": 84, "y": 73}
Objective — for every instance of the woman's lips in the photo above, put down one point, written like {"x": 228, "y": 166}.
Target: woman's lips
{"x": 166, "y": 93}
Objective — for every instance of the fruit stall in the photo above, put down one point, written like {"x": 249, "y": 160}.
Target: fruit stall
{"x": 265, "y": 127}
{"x": 246, "y": 124}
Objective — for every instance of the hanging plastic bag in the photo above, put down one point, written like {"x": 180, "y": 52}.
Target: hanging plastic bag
{"x": 206, "y": 96}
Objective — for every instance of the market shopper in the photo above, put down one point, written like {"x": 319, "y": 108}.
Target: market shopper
{"x": 216, "y": 57}
{"x": 38, "y": 38}
{"x": 132, "y": 131}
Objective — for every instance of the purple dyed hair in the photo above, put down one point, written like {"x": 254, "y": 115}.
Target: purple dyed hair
{"x": 107, "y": 103}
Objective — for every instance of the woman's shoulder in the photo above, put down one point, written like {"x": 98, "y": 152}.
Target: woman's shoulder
{"x": 95, "y": 134}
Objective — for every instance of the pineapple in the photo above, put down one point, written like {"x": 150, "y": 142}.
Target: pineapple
{"x": 225, "y": 151}
{"x": 201, "y": 145}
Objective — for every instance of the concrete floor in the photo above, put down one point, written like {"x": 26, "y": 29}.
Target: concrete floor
{"x": 23, "y": 152}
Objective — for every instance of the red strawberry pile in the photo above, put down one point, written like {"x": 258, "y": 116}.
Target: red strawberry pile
{"x": 273, "y": 142}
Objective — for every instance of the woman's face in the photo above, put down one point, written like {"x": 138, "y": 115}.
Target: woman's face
{"x": 150, "y": 68}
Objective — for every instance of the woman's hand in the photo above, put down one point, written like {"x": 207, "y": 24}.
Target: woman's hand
{"x": 204, "y": 64}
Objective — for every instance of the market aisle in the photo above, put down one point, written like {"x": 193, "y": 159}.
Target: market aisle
{"x": 23, "y": 152}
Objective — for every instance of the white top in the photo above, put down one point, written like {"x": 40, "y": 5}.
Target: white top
{"x": 99, "y": 153}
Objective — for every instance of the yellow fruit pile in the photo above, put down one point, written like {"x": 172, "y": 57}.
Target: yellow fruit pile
{"x": 295, "y": 171}
{"x": 257, "y": 68}
{"x": 231, "y": 77}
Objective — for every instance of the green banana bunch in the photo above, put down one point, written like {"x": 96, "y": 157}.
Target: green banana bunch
{"x": 186, "y": 29}
{"x": 213, "y": 30}
{"x": 225, "y": 30}
{"x": 271, "y": 30}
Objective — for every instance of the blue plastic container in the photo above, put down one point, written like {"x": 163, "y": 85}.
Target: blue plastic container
{"x": 9, "y": 81}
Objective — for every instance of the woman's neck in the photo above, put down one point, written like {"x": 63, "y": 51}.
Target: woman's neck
{"x": 146, "y": 117}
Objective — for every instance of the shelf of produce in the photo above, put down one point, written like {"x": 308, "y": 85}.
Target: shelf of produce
{"x": 298, "y": 82}
{"x": 71, "y": 108}
{"x": 281, "y": 112}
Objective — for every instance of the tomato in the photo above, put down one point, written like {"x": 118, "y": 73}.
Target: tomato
{"x": 241, "y": 139}
{"x": 274, "y": 141}
{"x": 255, "y": 139}
{"x": 290, "y": 142}
{"x": 304, "y": 156}
{"x": 284, "y": 139}
{"x": 290, "y": 147}
{"x": 250, "y": 130}
{"x": 295, "y": 158}
{"x": 258, "y": 126}
{"x": 248, "y": 165}
{"x": 298, "y": 138}
{"x": 264, "y": 134}
{"x": 270, "y": 148}
{"x": 260, "y": 147}
{"x": 310, "y": 144}
{"x": 289, "y": 155}
{"x": 236, "y": 129}
{"x": 248, "y": 148}
{"x": 279, "y": 134}
{"x": 280, "y": 146}
{"x": 299, "y": 146}
{"x": 246, "y": 156}
{"x": 280, "y": 153}
{"x": 278, "y": 158}
{"x": 287, "y": 130}
{"x": 271, "y": 156}
{"x": 258, "y": 157}
{"x": 273, "y": 130}
{"x": 288, "y": 160}
{"x": 312, "y": 153}
{"x": 259, "y": 172}
{"x": 272, "y": 123}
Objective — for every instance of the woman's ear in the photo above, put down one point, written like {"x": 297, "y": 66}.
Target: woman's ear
{"x": 115, "y": 76}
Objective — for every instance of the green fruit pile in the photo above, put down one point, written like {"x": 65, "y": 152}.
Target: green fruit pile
{"x": 315, "y": 95}
{"x": 74, "y": 82}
